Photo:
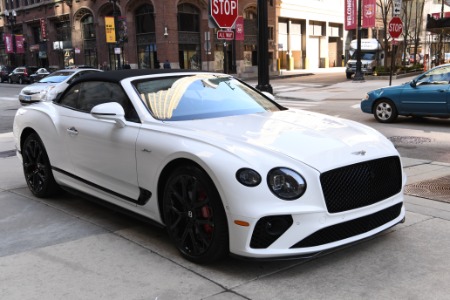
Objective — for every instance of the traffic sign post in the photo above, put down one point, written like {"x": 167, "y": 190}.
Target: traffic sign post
{"x": 225, "y": 35}
{"x": 224, "y": 12}
{"x": 395, "y": 30}
{"x": 397, "y": 7}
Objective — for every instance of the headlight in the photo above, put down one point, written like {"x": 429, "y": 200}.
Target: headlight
{"x": 286, "y": 183}
{"x": 45, "y": 93}
{"x": 366, "y": 97}
{"x": 248, "y": 177}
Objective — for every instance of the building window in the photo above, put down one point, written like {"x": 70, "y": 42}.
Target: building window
{"x": 188, "y": 18}
{"x": 145, "y": 19}
{"x": 88, "y": 28}
{"x": 63, "y": 31}
{"x": 90, "y": 54}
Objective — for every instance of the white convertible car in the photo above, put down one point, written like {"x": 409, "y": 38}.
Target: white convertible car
{"x": 222, "y": 166}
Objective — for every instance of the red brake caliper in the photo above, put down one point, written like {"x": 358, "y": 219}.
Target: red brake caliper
{"x": 205, "y": 211}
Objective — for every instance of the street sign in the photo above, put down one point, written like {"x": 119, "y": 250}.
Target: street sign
{"x": 224, "y": 12}
{"x": 395, "y": 27}
{"x": 225, "y": 35}
{"x": 397, "y": 7}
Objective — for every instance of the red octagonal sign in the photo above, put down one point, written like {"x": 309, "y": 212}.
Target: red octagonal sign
{"x": 395, "y": 27}
{"x": 224, "y": 12}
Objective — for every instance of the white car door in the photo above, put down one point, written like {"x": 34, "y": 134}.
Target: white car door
{"x": 102, "y": 154}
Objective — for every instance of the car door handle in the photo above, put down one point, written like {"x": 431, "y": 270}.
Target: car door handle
{"x": 441, "y": 91}
{"x": 72, "y": 131}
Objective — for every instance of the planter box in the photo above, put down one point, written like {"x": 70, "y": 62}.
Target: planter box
{"x": 385, "y": 76}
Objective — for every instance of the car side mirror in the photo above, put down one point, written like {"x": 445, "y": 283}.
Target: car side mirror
{"x": 413, "y": 83}
{"x": 111, "y": 111}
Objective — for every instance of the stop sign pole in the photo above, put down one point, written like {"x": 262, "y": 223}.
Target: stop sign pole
{"x": 395, "y": 30}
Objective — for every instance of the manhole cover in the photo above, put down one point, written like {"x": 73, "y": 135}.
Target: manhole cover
{"x": 415, "y": 140}
{"x": 435, "y": 189}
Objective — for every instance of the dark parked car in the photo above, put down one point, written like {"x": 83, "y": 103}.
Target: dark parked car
{"x": 4, "y": 72}
{"x": 424, "y": 96}
{"x": 21, "y": 75}
{"x": 40, "y": 73}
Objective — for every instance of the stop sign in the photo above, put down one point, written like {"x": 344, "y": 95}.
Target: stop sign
{"x": 224, "y": 12}
{"x": 395, "y": 27}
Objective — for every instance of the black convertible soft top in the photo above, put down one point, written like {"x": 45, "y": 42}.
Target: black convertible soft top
{"x": 117, "y": 76}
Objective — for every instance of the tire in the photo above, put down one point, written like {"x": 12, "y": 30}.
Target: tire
{"x": 194, "y": 215}
{"x": 37, "y": 169}
{"x": 349, "y": 75}
{"x": 385, "y": 111}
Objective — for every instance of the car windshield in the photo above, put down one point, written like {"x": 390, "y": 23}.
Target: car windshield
{"x": 56, "y": 77}
{"x": 201, "y": 96}
{"x": 365, "y": 55}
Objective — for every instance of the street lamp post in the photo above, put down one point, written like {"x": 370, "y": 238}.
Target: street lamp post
{"x": 263, "y": 48}
{"x": 359, "y": 76}
{"x": 11, "y": 20}
{"x": 115, "y": 14}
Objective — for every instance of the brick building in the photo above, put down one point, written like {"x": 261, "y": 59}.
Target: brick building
{"x": 59, "y": 34}
{"x": 62, "y": 33}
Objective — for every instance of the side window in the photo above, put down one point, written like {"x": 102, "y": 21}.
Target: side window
{"x": 70, "y": 100}
{"x": 436, "y": 76}
{"x": 95, "y": 92}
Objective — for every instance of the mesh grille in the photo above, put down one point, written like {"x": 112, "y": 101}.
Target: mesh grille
{"x": 361, "y": 184}
{"x": 351, "y": 228}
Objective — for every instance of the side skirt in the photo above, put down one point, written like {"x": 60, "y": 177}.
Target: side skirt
{"x": 144, "y": 194}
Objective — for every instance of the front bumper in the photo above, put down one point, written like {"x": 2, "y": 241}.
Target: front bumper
{"x": 312, "y": 234}
{"x": 345, "y": 205}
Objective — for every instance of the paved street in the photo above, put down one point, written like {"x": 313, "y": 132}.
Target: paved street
{"x": 67, "y": 247}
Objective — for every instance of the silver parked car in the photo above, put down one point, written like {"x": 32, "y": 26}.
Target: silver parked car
{"x": 50, "y": 86}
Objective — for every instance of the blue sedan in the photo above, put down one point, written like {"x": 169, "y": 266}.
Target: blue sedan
{"x": 427, "y": 95}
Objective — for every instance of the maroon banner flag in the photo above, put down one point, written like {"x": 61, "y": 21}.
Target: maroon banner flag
{"x": 43, "y": 29}
{"x": 9, "y": 44}
{"x": 350, "y": 14}
{"x": 239, "y": 27}
{"x": 368, "y": 12}
{"x": 19, "y": 44}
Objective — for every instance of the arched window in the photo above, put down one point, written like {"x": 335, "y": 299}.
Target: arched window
{"x": 189, "y": 55}
{"x": 88, "y": 29}
{"x": 188, "y": 18}
{"x": 145, "y": 19}
{"x": 145, "y": 37}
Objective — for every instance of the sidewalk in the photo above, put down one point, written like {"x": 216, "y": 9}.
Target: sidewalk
{"x": 348, "y": 89}
{"x": 70, "y": 248}
{"x": 74, "y": 249}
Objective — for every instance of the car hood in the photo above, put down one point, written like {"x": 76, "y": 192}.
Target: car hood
{"x": 321, "y": 141}
{"x": 36, "y": 88}
{"x": 395, "y": 88}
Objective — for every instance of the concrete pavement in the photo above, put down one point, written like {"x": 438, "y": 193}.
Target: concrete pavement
{"x": 67, "y": 247}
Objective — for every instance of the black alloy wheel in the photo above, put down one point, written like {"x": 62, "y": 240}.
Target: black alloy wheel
{"x": 37, "y": 168}
{"x": 194, "y": 215}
